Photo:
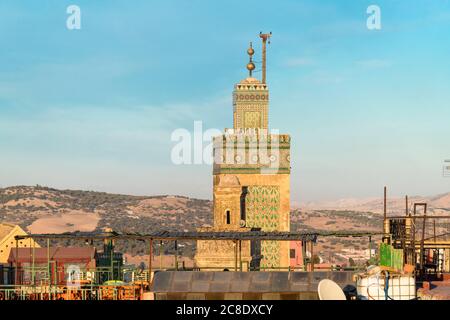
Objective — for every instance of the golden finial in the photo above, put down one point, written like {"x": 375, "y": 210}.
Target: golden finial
{"x": 250, "y": 65}
{"x": 250, "y": 50}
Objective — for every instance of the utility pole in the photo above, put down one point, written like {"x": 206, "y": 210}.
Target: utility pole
{"x": 265, "y": 37}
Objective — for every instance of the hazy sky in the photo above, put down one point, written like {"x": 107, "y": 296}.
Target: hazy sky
{"x": 94, "y": 108}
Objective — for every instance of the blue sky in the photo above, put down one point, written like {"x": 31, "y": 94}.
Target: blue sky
{"x": 94, "y": 108}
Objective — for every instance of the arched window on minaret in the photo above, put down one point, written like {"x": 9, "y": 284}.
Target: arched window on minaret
{"x": 228, "y": 216}
{"x": 243, "y": 195}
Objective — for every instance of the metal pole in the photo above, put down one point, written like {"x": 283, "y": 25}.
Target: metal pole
{"x": 436, "y": 251}
{"x": 264, "y": 61}
{"x": 407, "y": 236}
{"x": 176, "y": 255}
{"x": 150, "y": 262}
{"x": 264, "y": 38}
{"x": 17, "y": 262}
{"x": 386, "y": 226}
{"x": 434, "y": 230}
{"x": 160, "y": 255}
{"x": 111, "y": 260}
{"x": 49, "y": 271}
{"x": 240, "y": 255}
{"x": 304, "y": 255}
{"x": 422, "y": 242}
{"x": 33, "y": 274}
{"x": 31, "y": 263}
{"x": 312, "y": 255}
{"x": 414, "y": 238}
{"x": 407, "y": 206}
{"x": 235, "y": 255}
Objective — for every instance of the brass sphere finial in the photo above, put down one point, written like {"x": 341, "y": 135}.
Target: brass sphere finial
{"x": 250, "y": 64}
{"x": 250, "y": 50}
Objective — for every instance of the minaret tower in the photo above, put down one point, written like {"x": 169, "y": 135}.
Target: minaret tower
{"x": 251, "y": 179}
{"x": 251, "y": 99}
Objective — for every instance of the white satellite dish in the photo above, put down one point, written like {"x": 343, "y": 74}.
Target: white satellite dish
{"x": 330, "y": 290}
{"x": 242, "y": 223}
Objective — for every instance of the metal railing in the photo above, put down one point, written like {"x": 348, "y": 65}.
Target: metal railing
{"x": 89, "y": 292}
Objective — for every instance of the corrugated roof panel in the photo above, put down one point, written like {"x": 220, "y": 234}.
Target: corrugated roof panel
{"x": 245, "y": 282}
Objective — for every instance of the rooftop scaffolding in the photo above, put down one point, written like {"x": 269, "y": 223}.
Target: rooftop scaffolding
{"x": 194, "y": 235}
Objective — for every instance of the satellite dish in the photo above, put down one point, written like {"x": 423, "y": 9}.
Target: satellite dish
{"x": 242, "y": 223}
{"x": 330, "y": 290}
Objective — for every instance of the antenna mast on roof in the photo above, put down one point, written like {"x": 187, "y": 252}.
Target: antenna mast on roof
{"x": 264, "y": 37}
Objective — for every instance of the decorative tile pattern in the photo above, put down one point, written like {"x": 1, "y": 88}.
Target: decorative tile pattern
{"x": 254, "y": 154}
{"x": 271, "y": 252}
{"x": 252, "y": 119}
{"x": 262, "y": 205}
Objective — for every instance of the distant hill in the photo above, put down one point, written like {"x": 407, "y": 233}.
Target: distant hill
{"x": 439, "y": 204}
{"x": 47, "y": 210}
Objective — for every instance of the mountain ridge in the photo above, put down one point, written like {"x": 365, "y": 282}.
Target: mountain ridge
{"x": 40, "y": 209}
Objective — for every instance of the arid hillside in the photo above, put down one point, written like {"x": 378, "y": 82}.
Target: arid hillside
{"x": 439, "y": 204}
{"x": 46, "y": 210}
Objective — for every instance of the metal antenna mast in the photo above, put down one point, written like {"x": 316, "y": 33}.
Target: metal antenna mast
{"x": 264, "y": 37}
